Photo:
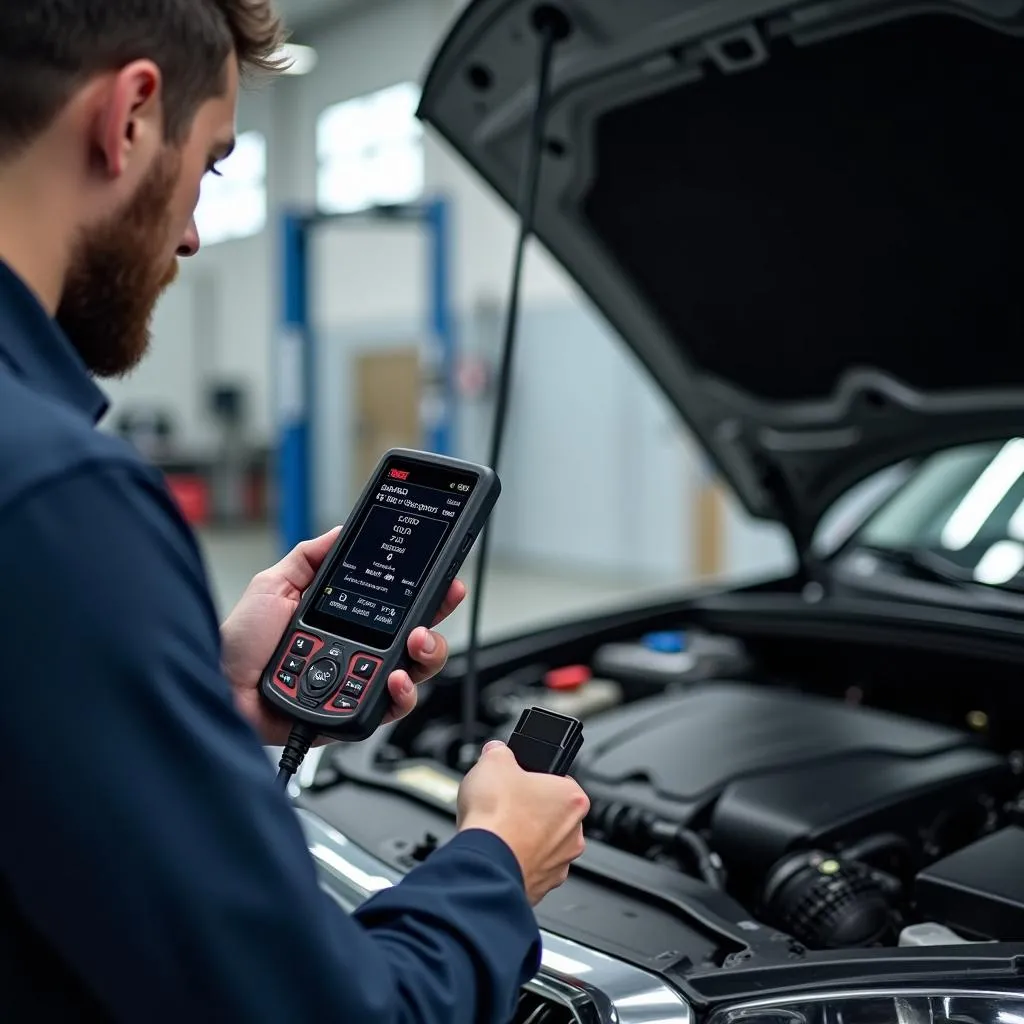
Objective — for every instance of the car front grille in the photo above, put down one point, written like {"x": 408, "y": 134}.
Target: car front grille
{"x": 535, "y": 1008}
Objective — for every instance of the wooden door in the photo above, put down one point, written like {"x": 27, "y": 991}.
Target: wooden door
{"x": 387, "y": 400}
{"x": 711, "y": 529}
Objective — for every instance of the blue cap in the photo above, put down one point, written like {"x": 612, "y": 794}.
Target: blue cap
{"x": 665, "y": 643}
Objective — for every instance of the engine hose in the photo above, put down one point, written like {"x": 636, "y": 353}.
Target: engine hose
{"x": 674, "y": 836}
{"x": 638, "y": 830}
{"x": 884, "y": 842}
{"x": 622, "y": 823}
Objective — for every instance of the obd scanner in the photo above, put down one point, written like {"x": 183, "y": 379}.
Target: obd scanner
{"x": 387, "y": 574}
{"x": 544, "y": 741}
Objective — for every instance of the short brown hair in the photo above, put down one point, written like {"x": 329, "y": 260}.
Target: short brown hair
{"x": 49, "y": 48}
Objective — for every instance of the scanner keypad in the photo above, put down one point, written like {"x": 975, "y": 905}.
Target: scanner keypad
{"x": 299, "y": 651}
{"x": 362, "y": 669}
{"x": 311, "y": 669}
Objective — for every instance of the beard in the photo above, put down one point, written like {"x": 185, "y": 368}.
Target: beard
{"x": 116, "y": 275}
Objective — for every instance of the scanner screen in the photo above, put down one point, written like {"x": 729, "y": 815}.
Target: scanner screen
{"x": 392, "y": 549}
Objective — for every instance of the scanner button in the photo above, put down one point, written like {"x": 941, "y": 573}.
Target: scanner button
{"x": 302, "y": 646}
{"x": 354, "y": 687}
{"x": 286, "y": 679}
{"x": 467, "y": 543}
{"x": 343, "y": 703}
{"x": 364, "y": 668}
{"x": 321, "y": 675}
{"x": 295, "y": 665}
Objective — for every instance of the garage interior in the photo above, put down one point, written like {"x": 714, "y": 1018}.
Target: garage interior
{"x": 340, "y": 136}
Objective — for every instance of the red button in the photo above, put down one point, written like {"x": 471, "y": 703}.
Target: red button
{"x": 567, "y": 678}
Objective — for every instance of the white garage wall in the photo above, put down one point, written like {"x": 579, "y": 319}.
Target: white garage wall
{"x": 609, "y": 435}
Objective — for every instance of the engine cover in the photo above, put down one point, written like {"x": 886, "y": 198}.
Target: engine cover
{"x": 771, "y": 771}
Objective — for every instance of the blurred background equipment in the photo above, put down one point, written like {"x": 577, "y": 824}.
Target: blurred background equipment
{"x": 148, "y": 428}
{"x": 230, "y": 484}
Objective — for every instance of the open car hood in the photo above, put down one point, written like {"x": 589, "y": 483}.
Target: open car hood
{"x": 805, "y": 218}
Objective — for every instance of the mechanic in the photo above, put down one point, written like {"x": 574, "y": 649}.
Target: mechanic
{"x": 150, "y": 869}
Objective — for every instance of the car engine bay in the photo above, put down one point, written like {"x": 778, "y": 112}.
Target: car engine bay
{"x": 883, "y": 809}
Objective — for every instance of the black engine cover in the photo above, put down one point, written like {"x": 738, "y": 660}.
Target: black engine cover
{"x": 772, "y": 771}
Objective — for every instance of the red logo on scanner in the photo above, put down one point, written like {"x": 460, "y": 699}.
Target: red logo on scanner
{"x": 399, "y": 474}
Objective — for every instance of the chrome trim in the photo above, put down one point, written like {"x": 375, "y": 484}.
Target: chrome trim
{"x": 582, "y": 1007}
{"x": 909, "y": 1004}
{"x": 927, "y": 989}
{"x": 597, "y": 988}
{"x": 604, "y": 990}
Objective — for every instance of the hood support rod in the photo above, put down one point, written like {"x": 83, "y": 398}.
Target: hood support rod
{"x": 552, "y": 26}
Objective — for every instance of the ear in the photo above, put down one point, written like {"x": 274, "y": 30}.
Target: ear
{"x": 130, "y": 122}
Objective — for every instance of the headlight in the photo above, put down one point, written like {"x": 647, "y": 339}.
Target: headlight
{"x": 881, "y": 1007}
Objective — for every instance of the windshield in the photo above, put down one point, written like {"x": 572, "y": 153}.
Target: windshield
{"x": 964, "y": 506}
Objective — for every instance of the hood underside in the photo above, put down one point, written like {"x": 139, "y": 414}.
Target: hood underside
{"x": 804, "y": 218}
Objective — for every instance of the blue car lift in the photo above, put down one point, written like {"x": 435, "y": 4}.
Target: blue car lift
{"x": 295, "y": 352}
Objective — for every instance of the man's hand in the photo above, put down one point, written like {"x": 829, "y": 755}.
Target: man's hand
{"x": 539, "y": 816}
{"x": 255, "y": 627}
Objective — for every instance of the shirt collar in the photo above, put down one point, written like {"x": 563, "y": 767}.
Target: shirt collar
{"x": 40, "y": 352}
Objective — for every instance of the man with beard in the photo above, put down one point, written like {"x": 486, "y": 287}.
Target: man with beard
{"x": 150, "y": 870}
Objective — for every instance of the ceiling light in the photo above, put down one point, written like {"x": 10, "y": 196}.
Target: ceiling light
{"x": 984, "y": 496}
{"x": 1000, "y": 564}
{"x": 301, "y": 59}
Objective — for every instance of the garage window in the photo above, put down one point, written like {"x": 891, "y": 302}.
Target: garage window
{"x": 234, "y": 205}
{"x": 370, "y": 151}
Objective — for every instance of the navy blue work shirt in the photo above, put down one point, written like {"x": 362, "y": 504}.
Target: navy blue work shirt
{"x": 150, "y": 869}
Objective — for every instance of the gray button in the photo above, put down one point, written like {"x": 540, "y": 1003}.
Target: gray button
{"x": 364, "y": 668}
{"x": 302, "y": 646}
{"x": 321, "y": 675}
{"x": 354, "y": 687}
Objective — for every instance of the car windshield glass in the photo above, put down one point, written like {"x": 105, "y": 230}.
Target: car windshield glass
{"x": 961, "y": 510}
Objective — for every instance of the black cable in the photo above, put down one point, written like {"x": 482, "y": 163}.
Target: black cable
{"x": 300, "y": 739}
{"x": 707, "y": 863}
{"x": 552, "y": 27}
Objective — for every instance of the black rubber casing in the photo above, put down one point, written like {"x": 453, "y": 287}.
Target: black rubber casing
{"x": 544, "y": 741}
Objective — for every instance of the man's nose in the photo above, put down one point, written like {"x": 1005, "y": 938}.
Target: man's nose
{"x": 189, "y": 244}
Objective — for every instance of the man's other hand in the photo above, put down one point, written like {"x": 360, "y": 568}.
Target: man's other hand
{"x": 254, "y": 628}
{"x": 540, "y": 817}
